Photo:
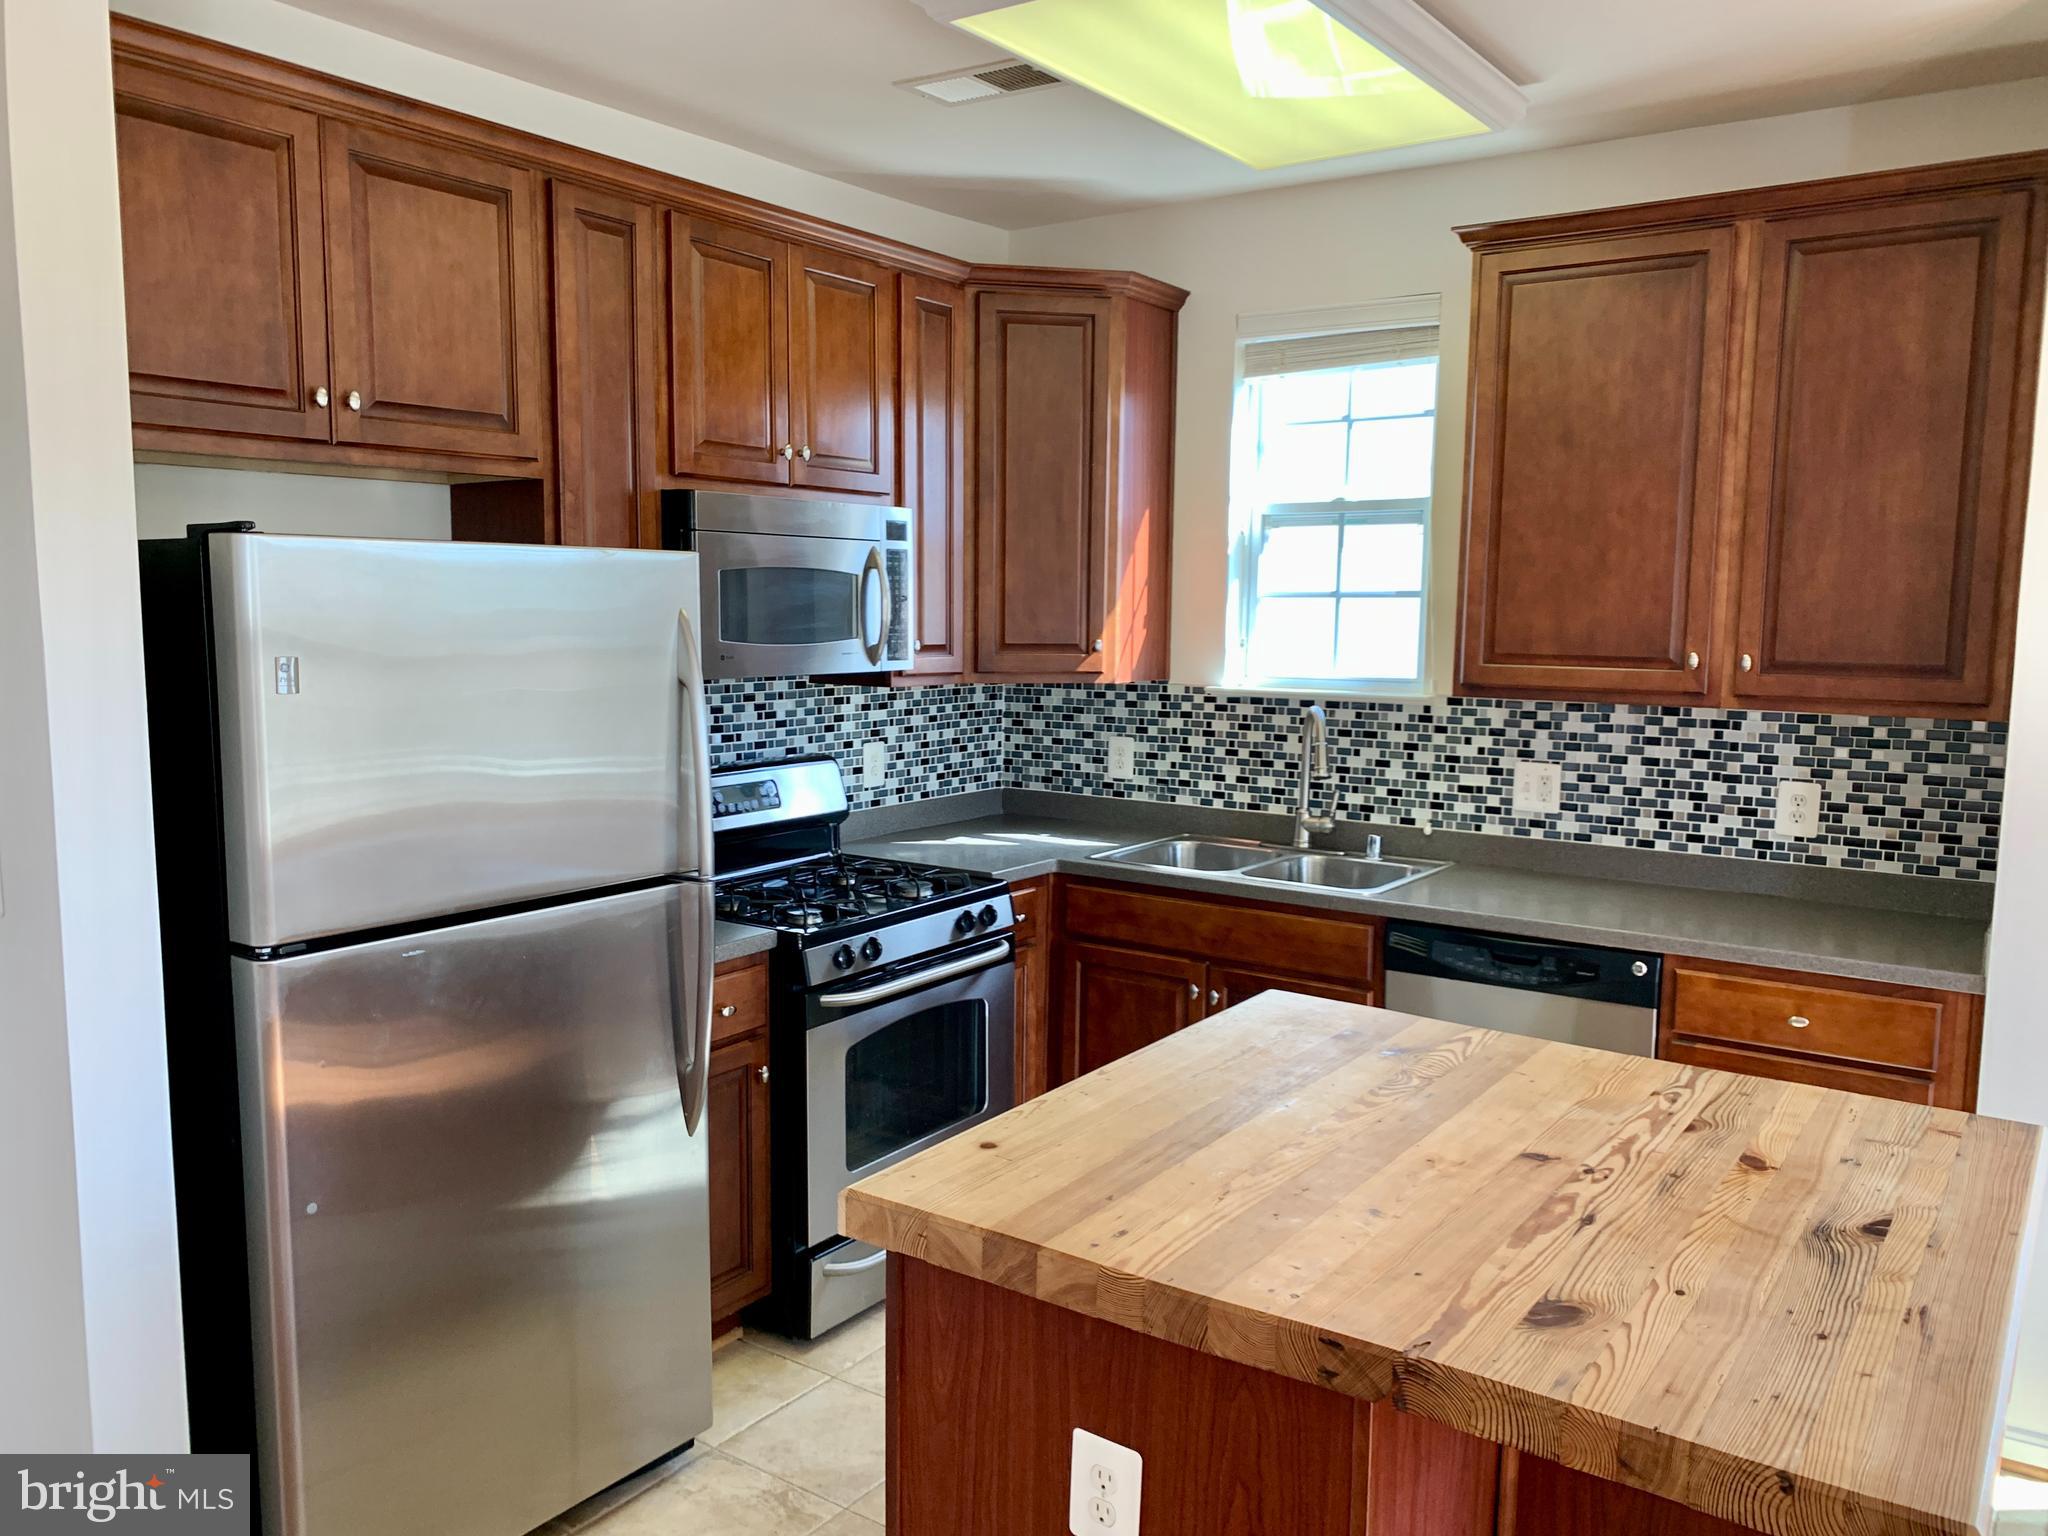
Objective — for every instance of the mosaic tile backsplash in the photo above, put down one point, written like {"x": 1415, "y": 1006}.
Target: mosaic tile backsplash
{"x": 1917, "y": 797}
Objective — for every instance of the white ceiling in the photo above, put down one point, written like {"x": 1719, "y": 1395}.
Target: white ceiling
{"x": 811, "y": 83}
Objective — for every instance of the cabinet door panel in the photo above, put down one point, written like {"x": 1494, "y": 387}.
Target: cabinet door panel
{"x": 1599, "y": 370}
{"x": 1041, "y": 474}
{"x": 842, "y": 372}
{"x": 936, "y": 358}
{"x": 728, "y": 352}
{"x": 736, "y": 1111}
{"x": 1116, "y": 1000}
{"x": 1880, "y": 502}
{"x": 221, "y": 256}
{"x": 433, "y": 288}
{"x": 605, "y": 368}
{"x": 1230, "y": 985}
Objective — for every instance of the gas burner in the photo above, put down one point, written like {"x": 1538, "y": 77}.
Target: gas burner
{"x": 834, "y": 889}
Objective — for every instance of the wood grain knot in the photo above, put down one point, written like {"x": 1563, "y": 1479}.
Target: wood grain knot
{"x": 1754, "y": 1160}
{"x": 988, "y": 1146}
{"x": 1537, "y": 1157}
{"x": 1552, "y": 1312}
{"x": 1879, "y": 1227}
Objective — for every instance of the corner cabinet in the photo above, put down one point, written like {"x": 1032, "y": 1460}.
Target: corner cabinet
{"x": 1073, "y": 481}
{"x": 302, "y": 280}
{"x": 737, "y": 1146}
{"x": 937, "y": 362}
{"x": 1760, "y": 450}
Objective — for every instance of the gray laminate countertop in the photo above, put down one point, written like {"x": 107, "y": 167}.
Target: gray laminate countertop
{"x": 734, "y": 941}
{"x": 1907, "y": 948}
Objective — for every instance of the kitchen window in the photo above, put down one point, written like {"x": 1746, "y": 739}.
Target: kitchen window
{"x": 1333, "y": 447}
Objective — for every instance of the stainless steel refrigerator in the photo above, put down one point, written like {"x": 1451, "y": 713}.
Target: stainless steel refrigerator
{"x": 433, "y": 830}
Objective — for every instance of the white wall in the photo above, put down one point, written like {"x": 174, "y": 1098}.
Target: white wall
{"x": 170, "y": 497}
{"x": 90, "y": 1351}
{"x": 2014, "y": 1078}
{"x": 268, "y": 27}
{"x": 1379, "y": 237}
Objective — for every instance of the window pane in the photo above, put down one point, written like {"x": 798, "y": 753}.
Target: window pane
{"x": 1382, "y": 557}
{"x": 1291, "y": 397}
{"x": 1292, "y": 636}
{"x": 1390, "y": 459}
{"x": 1379, "y": 637}
{"x": 1302, "y": 464}
{"x": 1394, "y": 389}
{"x": 1298, "y": 559}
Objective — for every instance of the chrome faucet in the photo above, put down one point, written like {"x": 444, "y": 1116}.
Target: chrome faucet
{"x": 1315, "y": 764}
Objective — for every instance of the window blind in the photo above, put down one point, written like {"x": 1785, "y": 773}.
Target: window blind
{"x": 1341, "y": 349}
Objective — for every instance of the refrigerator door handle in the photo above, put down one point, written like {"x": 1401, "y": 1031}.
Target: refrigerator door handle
{"x": 694, "y": 799}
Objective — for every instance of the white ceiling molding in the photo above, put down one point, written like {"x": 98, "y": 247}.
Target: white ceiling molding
{"x": 1412, "y": 37}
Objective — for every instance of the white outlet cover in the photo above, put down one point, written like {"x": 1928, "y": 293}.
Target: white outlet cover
{"x": 1538, "y": 788}
{"x": 1123, "y": 757}
{"x": 1104, "y": 1487}
{"x": 1798, "y": 810}
{"x": 874, "y": 762}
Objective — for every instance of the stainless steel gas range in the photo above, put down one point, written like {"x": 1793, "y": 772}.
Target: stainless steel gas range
{"x": 891, "y": 1023}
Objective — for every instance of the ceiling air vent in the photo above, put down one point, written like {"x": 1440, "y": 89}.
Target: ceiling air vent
{"x": 1005, "y": 77}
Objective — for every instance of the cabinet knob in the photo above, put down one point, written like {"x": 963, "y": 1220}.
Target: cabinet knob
{"x": 1799, "y": 1021}
{"x": 804, "y": 453}
{"x": 1215, "y": 997}
{"x": 1194, "y": 991}
{"x": 1748, "y": 662}
{"x": 728, "y": 1010}
{"x": 355, "y": 400}
{"x": 1098, "y": 645}
{"x": 789, "y": 450}
{"x": 1692, "y": 661}
{"x": 319, "y": 394}
{"x": 761, "y": 1073}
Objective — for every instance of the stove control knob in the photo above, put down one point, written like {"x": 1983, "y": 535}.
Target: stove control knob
{"x": 988, "y": 916}
{"x": 871, "y": 951}
{"x": 964, "y": 924}
{"x": 842, "y": 957}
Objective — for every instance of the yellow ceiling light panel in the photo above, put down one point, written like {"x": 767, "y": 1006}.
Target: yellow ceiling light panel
{"x": 1267, "y": 82}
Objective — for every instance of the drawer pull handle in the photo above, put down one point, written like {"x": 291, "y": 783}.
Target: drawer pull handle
{"x": 1215, "y": 997}
{"x": 1194, "y": 990}
{"x": 728, "y": 1010}
{"x": 1799, "y": 1021}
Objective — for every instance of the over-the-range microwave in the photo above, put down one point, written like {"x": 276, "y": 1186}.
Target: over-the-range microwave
{"x": 793, "y": 586}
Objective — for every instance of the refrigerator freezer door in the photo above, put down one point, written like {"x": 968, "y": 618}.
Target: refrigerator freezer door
{"x": 411, "y": 729}
{"x": 479, "y": 1240}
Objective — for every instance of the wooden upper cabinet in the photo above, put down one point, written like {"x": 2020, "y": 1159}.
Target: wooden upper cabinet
{"x": 433, "y": 295}
{"x": 842, "y": 372}
{"x": 936, "y": 357}
{"x": 606, "y": 304}
{"x": 221, "y": 251}
{"x": 728, "y": 352}
{"x": 1883, "y": 495}
{"x": 1599, "y": 370}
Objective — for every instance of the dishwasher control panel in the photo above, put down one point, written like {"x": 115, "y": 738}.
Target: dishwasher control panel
{"x": 1533, "y": 965}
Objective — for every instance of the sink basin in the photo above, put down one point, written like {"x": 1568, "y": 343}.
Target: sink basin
{"x": 1211, "y": 855}
{"x": 1339, "y": 871}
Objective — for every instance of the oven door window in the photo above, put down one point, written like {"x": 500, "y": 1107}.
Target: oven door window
{"x": 920, "y": 1075}
{"x": 788, "y": 605}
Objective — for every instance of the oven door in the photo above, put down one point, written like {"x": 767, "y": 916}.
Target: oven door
{"x": 777, "y": 605}
{"x": 895, "y": 1063}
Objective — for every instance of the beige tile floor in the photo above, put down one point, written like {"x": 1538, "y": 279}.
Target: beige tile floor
{"x": 794, "y": 1448}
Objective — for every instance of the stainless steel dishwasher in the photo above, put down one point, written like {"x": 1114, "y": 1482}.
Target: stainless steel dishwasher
{"x": 1606, "y": 998}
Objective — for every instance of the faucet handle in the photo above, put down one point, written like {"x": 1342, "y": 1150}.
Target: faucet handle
{"x": 1372, "y": 845}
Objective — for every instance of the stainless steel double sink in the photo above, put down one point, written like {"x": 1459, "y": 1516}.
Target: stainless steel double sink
{"x": 1275, "y": 865}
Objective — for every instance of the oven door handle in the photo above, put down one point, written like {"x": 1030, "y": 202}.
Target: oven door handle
{"x": 967, "y": 964}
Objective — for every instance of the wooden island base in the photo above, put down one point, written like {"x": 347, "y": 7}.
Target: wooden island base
{"x": 986, "y": 1387}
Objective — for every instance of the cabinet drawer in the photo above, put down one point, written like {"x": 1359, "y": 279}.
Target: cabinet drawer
{"x": 739, "y": 998}
{"x": 1820, "y": 1074}
{"x": 1791, "y": 1014}
{"x": 1028, "y": 901}
{"x": 1229, "y": 932}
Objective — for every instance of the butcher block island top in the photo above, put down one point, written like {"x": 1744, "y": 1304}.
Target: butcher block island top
{"x": 1786, "y": 1306}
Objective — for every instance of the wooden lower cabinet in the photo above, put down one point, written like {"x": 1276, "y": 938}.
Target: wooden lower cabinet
{"x": 1894, "y": 1042}
{"x": 1135, "y": 965}
{"x": 1544, "y": 1498}
{"x": 736, "y": 1117}
{"x": 1033, "y": 1052}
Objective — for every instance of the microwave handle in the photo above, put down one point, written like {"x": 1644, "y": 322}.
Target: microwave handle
{"x": 879, "y": 570}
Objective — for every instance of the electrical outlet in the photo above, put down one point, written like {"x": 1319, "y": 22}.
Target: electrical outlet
{"x": 1536, "y": 788}
{"x": 1798, "y": 808}
{"x": 1123, "y": 758}
{"x": 874, "y": 762}
{"x": 1103, "y": 1490}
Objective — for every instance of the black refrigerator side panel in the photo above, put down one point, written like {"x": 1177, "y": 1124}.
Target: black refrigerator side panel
{"x": 199, "y": 1017}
